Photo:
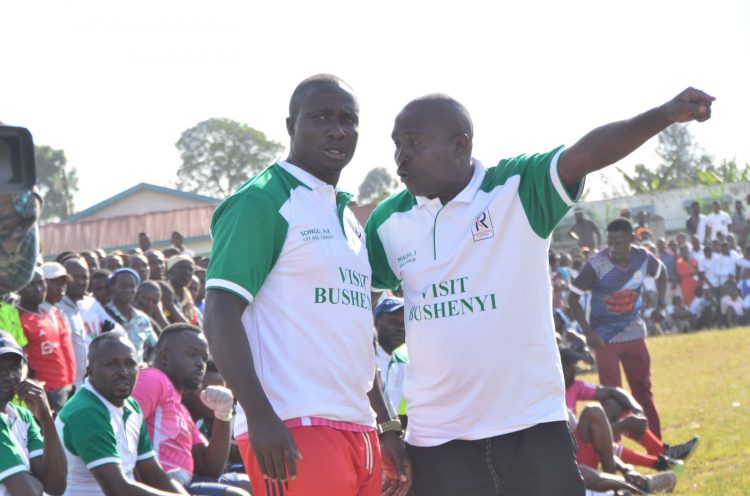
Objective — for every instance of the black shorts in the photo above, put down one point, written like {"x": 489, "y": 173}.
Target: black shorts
{"x": 538, "y": 461}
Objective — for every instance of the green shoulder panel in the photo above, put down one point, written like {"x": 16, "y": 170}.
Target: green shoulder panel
{"x": 249, "y": 231}
{"x": 382, "y": 275}
{"x": 544, "y": 198}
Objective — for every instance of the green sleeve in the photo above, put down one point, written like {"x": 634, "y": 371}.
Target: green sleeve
{"x": 11, "y": 461}
{"x": 88, "y": 434}
{"x": 34, "y": 439}
{"x": 248, "y": 232}
{"x": 145, "y": 448}
{"x": 382, "y": 275}
{"x": 10, "y": 321}
{"x": 544, "y": 197}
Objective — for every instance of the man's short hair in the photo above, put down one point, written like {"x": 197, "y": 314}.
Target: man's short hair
{"x": 307, "y": 86}
{"x": 620, "y": 224}
{"x": 103, "y": 339}
{"x": 464, "y": 122}
{"x": 174, "y": 330}
{"x": 101, "y": 274}
{"x": 149, "y": 285}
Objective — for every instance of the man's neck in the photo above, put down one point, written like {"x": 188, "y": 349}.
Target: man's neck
{"x": 179, "y": 388}
{"x": 331, "y": 179}
{"x": 30, "y": 307}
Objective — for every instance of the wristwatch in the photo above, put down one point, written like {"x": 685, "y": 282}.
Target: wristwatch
{"x": 393, "y": 425}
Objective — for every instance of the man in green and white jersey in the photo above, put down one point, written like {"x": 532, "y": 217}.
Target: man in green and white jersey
{"x": 30, "y": 463}
{"x": 288, "y": 314}
{"x": 103, "y": 431}
{"x": 469, "y": 245}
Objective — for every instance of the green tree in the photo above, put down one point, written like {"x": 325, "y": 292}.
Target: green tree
{"x": 56, "y": 183}
{"x": 377, "y": 184}
{"x": 218, "y": 155}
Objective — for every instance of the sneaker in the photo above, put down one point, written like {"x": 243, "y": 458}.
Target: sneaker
{"x": 682, "y": 451}
{"x": 663, "y": 482}
{"x": 664, "y": 462}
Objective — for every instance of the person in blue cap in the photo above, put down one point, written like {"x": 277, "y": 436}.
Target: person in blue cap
{"x": 391, "y": 354}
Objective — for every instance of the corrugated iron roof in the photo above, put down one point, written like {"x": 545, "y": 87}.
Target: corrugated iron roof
{"x": 122, "y": 232}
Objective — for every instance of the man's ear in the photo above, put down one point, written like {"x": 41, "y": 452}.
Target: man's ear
{"x": 463, "y": 145}
{"x": 290, "y": 126}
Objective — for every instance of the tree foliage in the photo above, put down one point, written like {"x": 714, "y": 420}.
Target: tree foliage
{"x": 57, "y": 184}
{"x": 218, "y": 155}
{"x": 683, "y": 165}
{"x": 377, "y": 184}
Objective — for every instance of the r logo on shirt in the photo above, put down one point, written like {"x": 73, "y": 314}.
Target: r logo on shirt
{"x": 482, "y": 228}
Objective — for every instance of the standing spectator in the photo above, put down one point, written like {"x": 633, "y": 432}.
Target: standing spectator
{"x": 92, "y": 260}
{"x": 669, "y": 259}
{"x": 696, "y": 249}
{"x": 178, "y": 304}
{"x": 180, "y": 364}
{"x": 148, "y": 300}
{"x": 616, "y": 331}
{"x": 584, "y": 231}
{"x": 49, "y": 348}
{"x": 144, "y": 242}
{"x": 642, "y": 231}
{"x": 31, "y": 460}
{"x": 121, "y": 310}
{"x": 389, "y": 325}
{"x": 718, "y": 221}
{"x": 688, "y": 274}
{"x": 177, "y": 243}
{"x": 74, "y": 305}
{"x": 156, "y": 265}
{"x": 139, "y": 263}
{"x": 740, "y": 225}
{"x": 709, "y": 272}
{"x": 103, "y": 430}
{"x": 696, "y": 223}
{"x": 56, "y": 278}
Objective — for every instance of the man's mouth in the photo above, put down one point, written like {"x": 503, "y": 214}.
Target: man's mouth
{"x": 334, "y": 153}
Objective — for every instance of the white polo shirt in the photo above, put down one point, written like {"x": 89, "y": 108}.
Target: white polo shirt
{"x": 287, "y": 244}
{"x": 478, "y": 302}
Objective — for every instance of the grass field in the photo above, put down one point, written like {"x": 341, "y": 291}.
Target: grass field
{"x": 701, "y": 384}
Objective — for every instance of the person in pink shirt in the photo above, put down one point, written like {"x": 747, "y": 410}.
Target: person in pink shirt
{"x": 625, "y": 417}
{"x": 179, "y": 364}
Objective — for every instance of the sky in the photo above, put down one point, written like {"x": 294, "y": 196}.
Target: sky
{"x": 114, "y": 84}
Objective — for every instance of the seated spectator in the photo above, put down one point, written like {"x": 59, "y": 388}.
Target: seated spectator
{"x": 179, "y": 364}
{"x": 156, "y": 265}
{"x": 391, "y": 334}
{"x": 120, "y": 310}
{"x": 625, "y": 417}
{"x": 744, "y": 282}
{"x": 682, "y": 319}
{"x": 197, "y": 292}
{"x": 103, "y": 430}
{"x": 31, "y": 460}
{"x": 50, "y": 348}
{"x": 148, "y": 300}
{"x": 709, "y": 272}
{"x": 732, "y": 309}
{"x": 96, "y": 319}
{"x": 139, "y": 263}
{"x": 178, "y": 305}
{"x": 704, "y": 309}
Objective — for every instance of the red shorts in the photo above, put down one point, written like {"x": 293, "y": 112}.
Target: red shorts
{"x": 586, "y": 455}
{"x": 335, "y": 462}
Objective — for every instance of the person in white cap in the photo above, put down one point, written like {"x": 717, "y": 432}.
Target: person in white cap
{"x": 57, "y": 281}
{"x": 31, "y": 459}
{"x": 50, "y": 349}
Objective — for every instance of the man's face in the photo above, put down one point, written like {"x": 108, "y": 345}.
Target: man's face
{"x": 91, "y": 261}
{"x": 684, "y": 253}
{"x": 717, "y": 207}
{"x": 112, "y": 263}
{"x": 123, "y": 289}
{"x": 56, "y": 289}
{"x": 147, "y": 299}
{"x": 177, "y": 239}
{"x": 618, "y": 243}
{"x": 13, "y": 371}
{"x": 185, "y": 359}
{"x": 324, "y": 133}
{"x": 181, "y": 273}
{"x": 156, "y": 266}
{"x": 579, "y": 216}
{"x": 139, "y": 264}
{"x": 390, "y": 327}
{"x": 725, "y": 248}
{"x": 641, "y": 218}
{"x": 707, "y": 252}
{"x": 144, "y": 242}
{"x": 427, "y": 153}
{"x": 113, "y": 370}
{"x": 738, "y": 206}
{"x": 100, "y": 290}
{"x": 79, "y": 278}
{"x": 695, "y": 209}
{"x": 195, "y": 288}
{"x": 34, "y": 292}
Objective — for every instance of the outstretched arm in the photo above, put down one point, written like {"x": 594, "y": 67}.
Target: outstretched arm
{"x": 608, "y": 144}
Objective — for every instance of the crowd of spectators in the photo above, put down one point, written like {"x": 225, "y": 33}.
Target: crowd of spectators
{"x": 707, "y": 266}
